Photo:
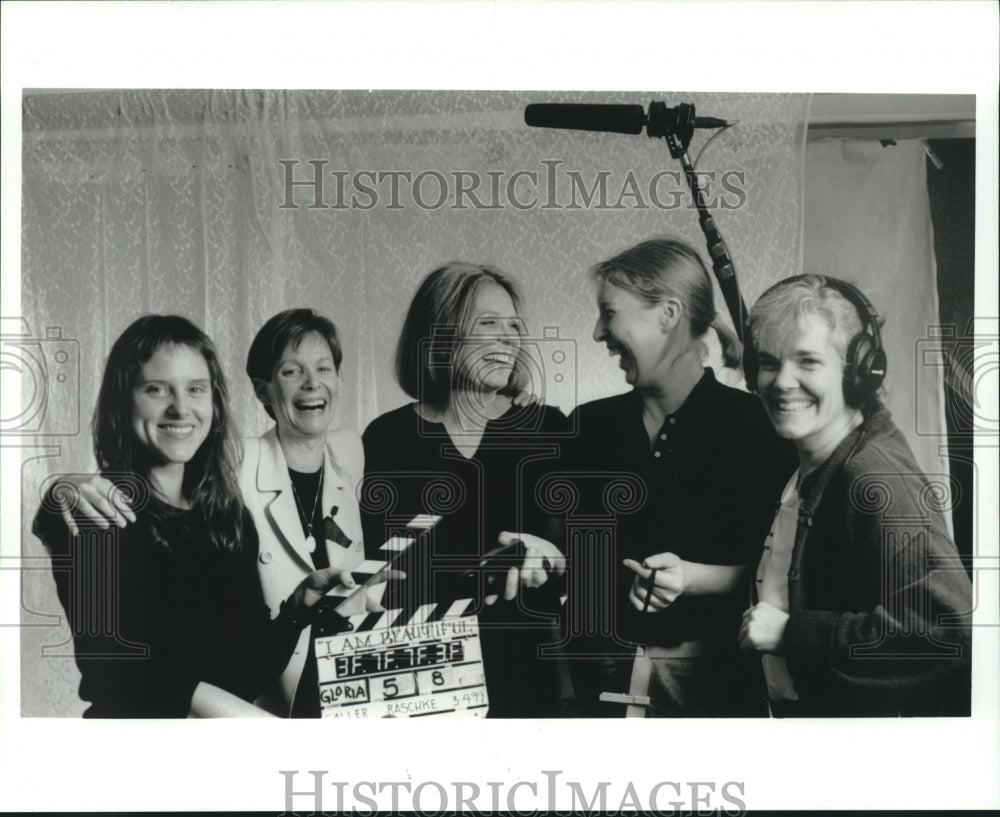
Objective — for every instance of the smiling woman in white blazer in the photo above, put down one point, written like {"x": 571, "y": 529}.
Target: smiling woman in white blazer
{"x": 298, "y": 479}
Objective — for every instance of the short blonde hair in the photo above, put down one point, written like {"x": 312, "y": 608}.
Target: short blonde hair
{"x": 775, "y": 318}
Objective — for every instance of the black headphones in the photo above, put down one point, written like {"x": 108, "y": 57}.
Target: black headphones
{"x": 865, "y": 363}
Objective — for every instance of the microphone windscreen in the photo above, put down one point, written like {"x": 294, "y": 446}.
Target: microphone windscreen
{"x": 604, "y": 118}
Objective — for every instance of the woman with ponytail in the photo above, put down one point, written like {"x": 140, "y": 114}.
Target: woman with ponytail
{"x": 704, "y": 461}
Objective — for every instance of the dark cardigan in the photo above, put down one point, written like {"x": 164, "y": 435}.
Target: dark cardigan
{"x": 879, "y": 601}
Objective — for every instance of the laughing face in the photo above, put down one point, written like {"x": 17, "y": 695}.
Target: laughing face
{"x": 172, "y": 405}
{"x": 486, "y": 358}
{"x": 303, "y": 388}
{"x": 633, "y": 330}
{"x": 802, "y": 388}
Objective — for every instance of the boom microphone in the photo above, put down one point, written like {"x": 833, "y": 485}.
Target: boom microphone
{"x": 629, "y": 119}
{"x": 604, "y": 118}
{"x": 676, "y": 126}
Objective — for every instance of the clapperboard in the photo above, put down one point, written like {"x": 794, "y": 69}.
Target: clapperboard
{"x": 400, "y": 663}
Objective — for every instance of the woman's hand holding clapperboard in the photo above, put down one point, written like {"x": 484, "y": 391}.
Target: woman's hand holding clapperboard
{"x": 519, "y": 559}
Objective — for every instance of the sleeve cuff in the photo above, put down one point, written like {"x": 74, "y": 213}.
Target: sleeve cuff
{"x": 295, "y": 618}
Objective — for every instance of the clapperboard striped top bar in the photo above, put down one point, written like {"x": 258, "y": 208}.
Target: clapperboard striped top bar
{"x": 402, "y": 663}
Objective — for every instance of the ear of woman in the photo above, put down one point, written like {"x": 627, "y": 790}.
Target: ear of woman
{"x": 260, "y": 390}
{"x": 671, "y": 311}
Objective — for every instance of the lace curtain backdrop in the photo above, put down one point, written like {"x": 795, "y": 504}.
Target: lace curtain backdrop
{"x": 881, "y": 238}
{"x": 171, "y": 201}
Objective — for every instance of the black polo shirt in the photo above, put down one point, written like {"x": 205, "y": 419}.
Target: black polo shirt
{"x": 710, "y": 482}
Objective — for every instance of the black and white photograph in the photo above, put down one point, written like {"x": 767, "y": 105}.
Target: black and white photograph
{"x": 517, "y": 414}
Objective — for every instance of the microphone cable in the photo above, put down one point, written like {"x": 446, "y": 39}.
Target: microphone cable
{"x": 711, "y": 139}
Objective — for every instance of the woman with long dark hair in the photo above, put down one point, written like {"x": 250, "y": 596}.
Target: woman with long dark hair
{"x": 165, "y": 609}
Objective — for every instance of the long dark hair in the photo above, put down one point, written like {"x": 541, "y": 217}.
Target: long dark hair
{"x": 210, "y": 482}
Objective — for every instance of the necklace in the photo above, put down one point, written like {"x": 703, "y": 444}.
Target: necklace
{"x": 308, "y": 520}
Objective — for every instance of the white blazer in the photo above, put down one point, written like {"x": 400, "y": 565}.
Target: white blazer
{"x": 284, "y": 559}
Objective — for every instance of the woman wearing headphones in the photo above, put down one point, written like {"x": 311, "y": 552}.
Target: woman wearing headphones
{"x": 862, "y": 604}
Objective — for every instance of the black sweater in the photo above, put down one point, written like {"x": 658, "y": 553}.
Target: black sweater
{"x": 412, "y": 467}
{"x": 152, "y": 618}
{"x": 705, "y": 490}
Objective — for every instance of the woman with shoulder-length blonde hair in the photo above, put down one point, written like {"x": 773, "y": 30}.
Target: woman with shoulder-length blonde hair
{"x": 453, "y": 306}
{"x": 465, "y": 450}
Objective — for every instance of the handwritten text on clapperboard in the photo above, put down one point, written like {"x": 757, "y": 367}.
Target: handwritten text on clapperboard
{"x": 433, "y": 668}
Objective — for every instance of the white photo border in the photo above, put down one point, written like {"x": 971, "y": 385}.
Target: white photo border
{"x": 893, "y": 47}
